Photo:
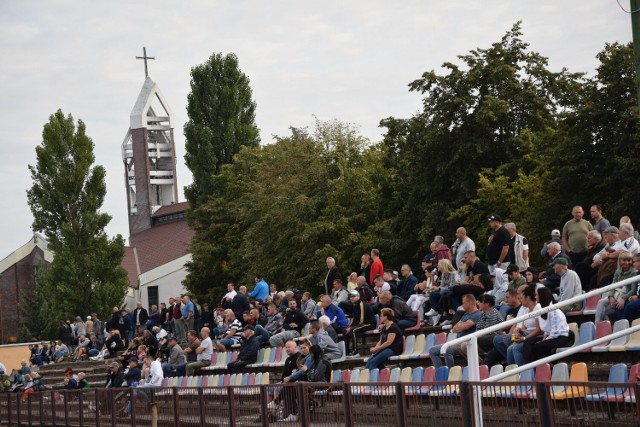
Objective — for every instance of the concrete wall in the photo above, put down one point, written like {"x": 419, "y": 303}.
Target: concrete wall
{"x": 11, "y": 355}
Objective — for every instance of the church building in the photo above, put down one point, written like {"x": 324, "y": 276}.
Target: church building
{"x": 159, "y": 237}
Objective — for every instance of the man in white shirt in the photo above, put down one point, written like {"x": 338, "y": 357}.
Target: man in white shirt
{"x": 155, "y": 372}
{"x": 570, "y": 285}
{"x": 231, "y": 292}
{"x": 204, "y": 353}
{"x": 462, "y": 245}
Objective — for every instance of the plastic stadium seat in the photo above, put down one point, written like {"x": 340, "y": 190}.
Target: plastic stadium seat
{"x": 496, "y": 370}
{"x": 497, "y": 390}
{"x": 578, "y": 312}
{"x": 416, "y": 377}
{"x": 620, "y": 343}
{"x": 578, "y": 374}
{"x": 451, "y": 336}
{"x": 409, "y": 344}
{"x": 260, "y": 358}
{"x": 591, "y": 304}
{"x": 573, "y": 327}
{"x": 431, "y": 340}
{"x": 417, "y": 325}
{"x": 617, "y": 374}
{"x": 586, "y": 334}
{"x": 634, "y": 377}
{"x": 524, "y": 391}
{"x": 343, "y": 353}
{"x": 377, "y": 329}
{"x": 634, "y": 338}
{"x": 602, "y": 329}
{"x": 454, "y": 375}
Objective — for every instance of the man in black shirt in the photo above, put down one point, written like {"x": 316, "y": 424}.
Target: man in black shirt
{"x": 288, "y": 395}
{"x": 294, "y": 323}
{"x": 475, "y": 268}
{"x": 362, "y": 320}
{"x": 499, "y": 243}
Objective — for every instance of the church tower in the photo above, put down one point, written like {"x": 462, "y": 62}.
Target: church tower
{"x": 148, "y": 153}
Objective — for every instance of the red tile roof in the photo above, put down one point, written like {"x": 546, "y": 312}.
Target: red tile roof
{"x": 157, "y": 246}
{"x": 171, "y": 209}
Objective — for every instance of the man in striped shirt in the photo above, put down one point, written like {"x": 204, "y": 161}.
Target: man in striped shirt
{"x": 490, "y": 316}
{"x": 233, "y": 334}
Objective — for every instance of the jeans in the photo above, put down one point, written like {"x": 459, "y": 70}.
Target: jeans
{"x": 630, "y": 309}
{"x": 168, "y": 370}
{"x": 406, "y": 323}
{"x": 262, "y": 334}
{"x": 181, "y": 370}
{"x": 449, "y": 354}
{"x": 379, "y": 358}
{"x": 93, "y": 352}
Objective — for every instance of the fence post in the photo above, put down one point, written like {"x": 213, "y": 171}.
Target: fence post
{"x": 544, "y": 408}
{"x": 53, "y": 407}
{"x": 80, "y": 407}
{"x": 401, "y": 405}
{"x": 346, "y": 394}
{"x": 113, "y": 407}
{"x": 263, "y": 405}
{"x": 29, "y": 411}
{"x": 466, "y": 399}
{"x": 96, "y": 402}
{"x": 9, "y": 409}
{"x": 41, "y": 399}
{"x": 18, "y": 410}
{"x": 174, "y": 396}
{"x": 303, "y": 410}
{"x": 132, "y": 402}
{"x": 232, "y": 407}
{"x": 201, "y": 404}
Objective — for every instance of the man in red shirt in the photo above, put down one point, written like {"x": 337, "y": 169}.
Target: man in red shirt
{"x": 376, "y": 266}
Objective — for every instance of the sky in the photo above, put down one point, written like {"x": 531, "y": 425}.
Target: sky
{"x": 350, "y": 61}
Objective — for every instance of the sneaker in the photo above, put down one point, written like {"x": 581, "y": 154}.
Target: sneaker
{"x": 290, "y": 418}
{"x": 431, "y": 312}
{"x": 353, "y": 355}
{"x": 446, "y": 322}
{"x": 435, "y": 319}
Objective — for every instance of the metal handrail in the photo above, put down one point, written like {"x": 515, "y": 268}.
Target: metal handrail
{"x": 473, "y": 362}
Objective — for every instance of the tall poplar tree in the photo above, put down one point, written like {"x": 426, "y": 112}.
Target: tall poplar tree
{"x": 221, "y": 121}
{"x": 65, "y": 199}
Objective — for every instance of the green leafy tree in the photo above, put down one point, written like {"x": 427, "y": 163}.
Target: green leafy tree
{"x": 281, "y": 209}
{"x": 221, "y": 120}
{"x": 478, "y": 115}
{"x": 65, "y": 200}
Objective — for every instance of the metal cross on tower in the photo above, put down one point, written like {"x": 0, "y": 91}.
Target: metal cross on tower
{"x": 145, "y": 57}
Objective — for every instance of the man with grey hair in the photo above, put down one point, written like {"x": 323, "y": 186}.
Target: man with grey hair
{"x": 584, "y": 269}
{"x": 626, "y": 235}
{"x": 462, "y": 245}
{"x": 439, "y": 250}
{"x": 552, "y": 280}
{"x": 518, "y": 248}
{"x": 332, "y": 274}
{"x": 574, "y": 235}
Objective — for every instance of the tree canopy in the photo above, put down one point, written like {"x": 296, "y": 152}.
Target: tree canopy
{"x": 65, "y": 199}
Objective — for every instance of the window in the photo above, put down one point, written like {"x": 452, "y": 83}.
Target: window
{"x": 152, "y": 294}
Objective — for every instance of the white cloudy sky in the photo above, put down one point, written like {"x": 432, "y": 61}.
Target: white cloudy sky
{"x": 346, "y": 60}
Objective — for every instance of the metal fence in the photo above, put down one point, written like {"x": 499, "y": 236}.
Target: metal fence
{"x": 333, "y": 404}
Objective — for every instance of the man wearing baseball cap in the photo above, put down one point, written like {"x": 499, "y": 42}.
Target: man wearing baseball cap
{"x": 499, "y": 242}
{"x": 569, "y": 284}
{"x": 176, "y": 357}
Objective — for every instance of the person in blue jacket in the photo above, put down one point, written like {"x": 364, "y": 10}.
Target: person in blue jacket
{"x": 261, "y": 291}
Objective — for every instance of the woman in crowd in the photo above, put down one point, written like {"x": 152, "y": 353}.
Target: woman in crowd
{"x": 390, "y": 343}
{"x": 554, "y": 327}
{"x": 446, "y": 279}
{"x": 613, "y": 302}
{"x": 305, "y": 361}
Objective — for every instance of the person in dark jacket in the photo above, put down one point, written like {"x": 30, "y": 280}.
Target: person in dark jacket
{"x": 115, "y": 376}
{"x": 363, "y": 320}
{"x": 64, "y": 333}
{"x": 248, "y": 353}
{"x": 404, "y": 317}
{"x": 332, "y": 275}
{"x": 294, "y": 322}
{"x": 133, "y": 374}
{"x": 114, "y": 343}
{"x": 240, "y": 304}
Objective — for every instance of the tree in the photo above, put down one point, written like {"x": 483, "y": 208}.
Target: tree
{"x": 221, "y": 120}
{"x": 65, "y": 200}
{"x": 281, "y": 209}
{"x": 478, "y": 115}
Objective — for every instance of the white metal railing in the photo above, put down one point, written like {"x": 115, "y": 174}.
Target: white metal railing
{"x": 473, "y": 361}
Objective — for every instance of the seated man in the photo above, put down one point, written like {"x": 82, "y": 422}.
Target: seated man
{"x": 338, "y": 319}
{"x": 233, "y": 331}
{"x": 490, "y": 316}
{"x": 294, "y": 323}
{"x": 190, "y": 353}
{"x": 249, "y": 346}
{"x": 320, "y": 338}
{"x": 465, "y": 326}
{"x": 404, "y": 317}
{"x": 204, "y": 353}
{"x": 275, "y": 322}
{"x": 176, "y": 357}
{"x": 363, "y": 320}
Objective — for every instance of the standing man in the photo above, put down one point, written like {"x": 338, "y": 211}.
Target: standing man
{"x": 228, "y": 297}
{"x": 188, "y": 312}
{"x": 518, "y": 248}
{"x": 363, "y": 320}
{"x": 365, "y": 266}
{"x": 600, "y": 223}
{"x": 462, "y": 245}
{"x": 332, "y": 274}
{"x": 574, "y": 236}
{"x": 261, "y": 289}
{"x": 178, "y": 321}
{"x": 499, "y": 241}
{"x": 376, "y": 265}
{"x": 240, "y": 303}
{"x": 140, "y": 316}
